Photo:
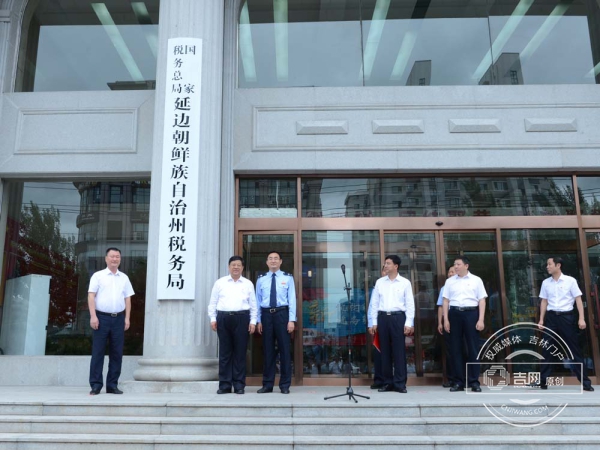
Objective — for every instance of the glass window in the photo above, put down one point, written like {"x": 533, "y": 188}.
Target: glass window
{"x": 541, "y": 42}
{"x": 88, "y": 46}
{"x": 268, "y": 198}
{"x": 52, "y": 247}
{"x": 433, "y": 197}
{"x": 589, "y": 195}
{"x": 408, "y": 43}
{"x": 291, "y": 43}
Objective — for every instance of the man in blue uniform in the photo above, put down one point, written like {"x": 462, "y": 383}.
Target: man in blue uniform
{"x": 276, "y": 299}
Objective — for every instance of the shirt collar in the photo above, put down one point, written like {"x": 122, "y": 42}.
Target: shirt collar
{"x": 458, "y": 277}
{"x": 278, "y": 273}
{"x": 230, "y": 278}
{"x": 395, "y": 279}
{"x": 561, "y": 278}
{"x": 107, "y": 271}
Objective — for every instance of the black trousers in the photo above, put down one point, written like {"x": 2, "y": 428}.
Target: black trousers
{"x": 111, "y": 329}
{"x": 393, "y": 352}
{"x": 232, "y": 330}
{"x": 450, "y": 362}
{"x": 462, "y": 329}
{"x": 565, "y": 325}
{"x": 275, "y": 329}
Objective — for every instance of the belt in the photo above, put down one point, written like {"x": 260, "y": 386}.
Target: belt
{"x": 110, "y": 314}
{"x": 234, "y": 313}
{"x": 274, "y": 310}
{"x": 464, "y": 308}
{"x": 560, "y": 313}
{"x": 390, "y": 313}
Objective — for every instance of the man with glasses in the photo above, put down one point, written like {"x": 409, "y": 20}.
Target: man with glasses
{"x": 276, "y": 298}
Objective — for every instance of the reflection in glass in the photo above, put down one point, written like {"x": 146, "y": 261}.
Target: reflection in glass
{"x": 423, "y": 43}
{"x": 268, "y": 198}
{"x": 540, "y": 43}
{"x": 328, "y": 318}
{"x": 418, "y": 254}
{"x": 256, "y": 250}
{"x": 408, "y": 43}
{"x": 291, "y": 43}
{"x": 56, "y": 237}
{"x": 87, "y": 46}
{"x": 437, "y": 197}
{"x": 589, "y": 195}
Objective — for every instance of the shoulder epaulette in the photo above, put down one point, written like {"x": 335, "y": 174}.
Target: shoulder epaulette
{"x": 261, "y": 275}
{"x": 288, "y": 274}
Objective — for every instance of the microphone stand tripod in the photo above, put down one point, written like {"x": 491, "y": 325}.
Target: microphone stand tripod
{"x": 349, "y": 391}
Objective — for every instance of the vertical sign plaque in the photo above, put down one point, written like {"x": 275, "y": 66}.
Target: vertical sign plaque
{"x": 180, "y": 171}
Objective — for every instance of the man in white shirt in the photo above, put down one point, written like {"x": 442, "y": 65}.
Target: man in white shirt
{"x": 464, "y": 312}
{"x": 393, "y": 316}
{"x": 232, "y": 312}
{"x": 558, "y": 294}
{"x": 109, "y": 302}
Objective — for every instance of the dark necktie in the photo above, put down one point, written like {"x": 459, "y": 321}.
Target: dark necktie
{"x": 273, "y": 300}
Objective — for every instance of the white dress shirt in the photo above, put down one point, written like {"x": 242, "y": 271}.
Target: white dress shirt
{"x": 560, "y": 294}
{"x": 111, "y": 290}
{"x": 392, "y": 295}
{"x": 230, "y": 295}
{"x": 464, "y": 292}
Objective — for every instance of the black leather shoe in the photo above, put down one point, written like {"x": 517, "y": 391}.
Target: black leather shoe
{"x": 588, "y": 388}
{"x": 476, "y": 388}
{"x": 456, "y": 388}
{"x": 285, "y": 391}
{"x": 114, "y": 391}
{"x": 386, "y": 388}
{"x": 376, "y": 386}
{"x": 264, "y": 390}
{"x": 402, "y": 390}
{"x": 224, "y": 391}
{"x": 94, "y": 391}
{"x": 447, "y": 385}
{"x": 238, "y": 391}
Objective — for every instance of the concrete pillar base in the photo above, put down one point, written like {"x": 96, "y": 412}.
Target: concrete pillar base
{"x": 177, "y": 369}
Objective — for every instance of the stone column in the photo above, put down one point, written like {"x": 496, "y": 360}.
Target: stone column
{"x": 178, "y": 342}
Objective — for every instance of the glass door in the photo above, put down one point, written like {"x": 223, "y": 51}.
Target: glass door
{"x": 255, "y": 248}
{"x": 419, "y": 265}
{"x": 481, "y": 249}
{"x": 330, "y": 320}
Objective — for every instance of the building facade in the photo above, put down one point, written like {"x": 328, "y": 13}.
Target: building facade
{"x": 332, "y": 131}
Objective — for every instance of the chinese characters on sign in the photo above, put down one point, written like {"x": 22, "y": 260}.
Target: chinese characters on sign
{"x": 180, "y": 171}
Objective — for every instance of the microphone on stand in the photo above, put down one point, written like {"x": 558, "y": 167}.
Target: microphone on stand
{"x": 344, "y": 269}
